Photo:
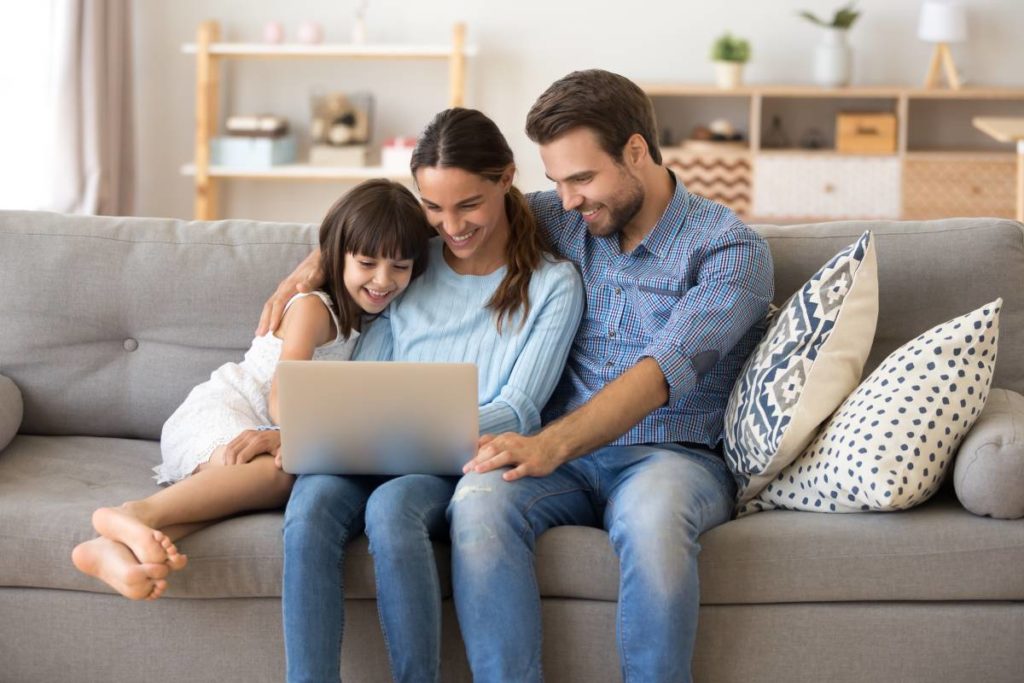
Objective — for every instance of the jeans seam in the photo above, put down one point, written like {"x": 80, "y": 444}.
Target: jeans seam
{"x": 533, "y": 502}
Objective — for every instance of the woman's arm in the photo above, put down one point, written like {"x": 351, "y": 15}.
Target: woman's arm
{"x": 539, "y": 366}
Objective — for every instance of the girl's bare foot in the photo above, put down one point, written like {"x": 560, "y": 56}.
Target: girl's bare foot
{"x": 148, "y": 545}
{"x": 115, "y": 565}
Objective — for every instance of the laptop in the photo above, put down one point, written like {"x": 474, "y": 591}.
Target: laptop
{"x": 389, "y": 418}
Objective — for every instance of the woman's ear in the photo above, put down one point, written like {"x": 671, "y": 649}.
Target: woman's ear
{"x": 507, "y": 176}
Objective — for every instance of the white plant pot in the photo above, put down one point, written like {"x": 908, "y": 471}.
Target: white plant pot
{"x": 832, "y": 59}
{"x": 728, "y": 75}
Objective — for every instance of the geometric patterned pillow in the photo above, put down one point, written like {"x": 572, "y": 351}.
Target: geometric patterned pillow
{"x": 890, "y": 444}
{"x": 810, "y": 359}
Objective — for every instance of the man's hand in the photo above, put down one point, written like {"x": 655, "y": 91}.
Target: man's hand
{"x": 529, "y": 456}
{"x": 306, "y": 277}
{"x": 249, "y": 444}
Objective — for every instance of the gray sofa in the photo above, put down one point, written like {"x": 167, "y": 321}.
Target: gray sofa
{"x": 106, "y": 323}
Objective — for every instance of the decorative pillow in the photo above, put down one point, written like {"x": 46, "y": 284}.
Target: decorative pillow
{"x": 11, "y": 410}
{"x": 810, "y": 359}
{"x": 889, "y": 445}
{"x": 989, "y": 471}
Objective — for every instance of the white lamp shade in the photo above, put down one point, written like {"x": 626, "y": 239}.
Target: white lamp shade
{"x": 942, "y": 22}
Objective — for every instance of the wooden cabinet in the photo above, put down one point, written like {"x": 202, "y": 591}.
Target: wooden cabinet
{"x": 941, "y": 166}
{"x": 827, "y": 187}
{"x": 210, "y": 53}
{"x": 937, "y": 186}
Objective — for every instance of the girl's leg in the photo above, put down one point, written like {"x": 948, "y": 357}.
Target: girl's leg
{"x": 401, "y": 518}
{"x": 210, "y": 494}
{"x": 323, "y": 513}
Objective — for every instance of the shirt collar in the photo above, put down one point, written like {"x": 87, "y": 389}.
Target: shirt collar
{"x": 657, "y": 241}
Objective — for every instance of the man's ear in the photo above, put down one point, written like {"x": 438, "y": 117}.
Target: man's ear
{"x": 635, "y": 150}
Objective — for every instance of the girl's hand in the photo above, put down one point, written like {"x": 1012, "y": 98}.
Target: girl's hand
{"x": 249, "y": 444}
{"x": 306, "y": 277}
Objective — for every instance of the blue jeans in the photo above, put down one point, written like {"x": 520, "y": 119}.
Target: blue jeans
{"x": 654, "y": 500}
{"x": 323, "y": 514}
{"x": 402, "y": 516}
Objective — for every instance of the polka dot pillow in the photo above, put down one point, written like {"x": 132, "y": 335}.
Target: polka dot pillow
{"x": 810, "y": 359}
{"x": 890, "y": 444}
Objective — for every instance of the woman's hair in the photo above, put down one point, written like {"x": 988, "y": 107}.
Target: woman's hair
{"x": 466, "y": 139}
{"x": 378, "y": 218}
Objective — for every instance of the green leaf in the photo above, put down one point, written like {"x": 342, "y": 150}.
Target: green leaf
{"x": 811, "y": 18}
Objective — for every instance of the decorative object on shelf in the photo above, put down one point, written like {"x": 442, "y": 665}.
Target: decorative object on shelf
{"x": 248, "y": 151}
{"x": 261, "y": 126}
{"x": 348, "y": 156}
{"x": 812, "y": 138}
{"x": 729, "y": 55}
{"x": 273, "y": 32}
{"x": 311, "y": 33}
{"x": 396, "y": 153}
{"x": 717, "y": 135}
{"x": 832, "y": 58}
{"x": 866, "y": 133}
{"x": 942, "y": 23}
{"x": 341, "y": 118}
{"x": 359, "y": 23}
{"x": 776, "y": 137}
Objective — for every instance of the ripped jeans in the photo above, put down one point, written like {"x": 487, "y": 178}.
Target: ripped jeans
{"x": 654, "y": 500}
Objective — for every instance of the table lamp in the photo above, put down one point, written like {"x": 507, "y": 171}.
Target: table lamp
{"x": 942, "y": 22}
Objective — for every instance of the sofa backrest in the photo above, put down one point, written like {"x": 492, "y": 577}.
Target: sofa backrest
{"x": 107, "y": 323}
{"x": 928, "y": 273}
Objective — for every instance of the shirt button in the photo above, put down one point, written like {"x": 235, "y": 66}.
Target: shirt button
{"x": 610, "y": 364}
{"x": 618, "y": 291}
{"x": 611, "y": 334}
{"x": 130, "y": 344}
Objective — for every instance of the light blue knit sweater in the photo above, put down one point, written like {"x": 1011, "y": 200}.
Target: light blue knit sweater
{"x": 443, "y": 318}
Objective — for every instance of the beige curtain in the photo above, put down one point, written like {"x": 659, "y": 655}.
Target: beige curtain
{"x": 94, "y": 150}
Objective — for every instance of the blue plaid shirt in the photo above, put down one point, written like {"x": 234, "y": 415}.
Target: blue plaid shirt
{"x": 693, "y": 295}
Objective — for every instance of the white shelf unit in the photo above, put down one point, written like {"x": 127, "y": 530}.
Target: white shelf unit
{"x": 209, "y": 53}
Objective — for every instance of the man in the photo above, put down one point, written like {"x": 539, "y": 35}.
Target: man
{"x": 677, "y": 289}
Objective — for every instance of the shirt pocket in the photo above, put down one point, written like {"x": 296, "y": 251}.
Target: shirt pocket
{"x": 656, "y": 299}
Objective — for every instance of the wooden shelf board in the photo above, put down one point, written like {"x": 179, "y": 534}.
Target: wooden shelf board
{"x": 303, "y": 172}
{"x": 960, "y": 154}
{"x": 822, "y": 153}
{"x": 813, "y": 91}
{"x": 350, "y": 51}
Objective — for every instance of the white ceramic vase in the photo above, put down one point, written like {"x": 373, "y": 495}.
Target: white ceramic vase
{"x": 832, "y": 59}
{"x": 728, "y": 75}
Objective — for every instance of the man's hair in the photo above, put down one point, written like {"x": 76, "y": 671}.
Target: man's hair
{"x": 612, "y": 106}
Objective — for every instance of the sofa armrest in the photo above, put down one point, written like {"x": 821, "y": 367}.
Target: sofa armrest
{"x": 11, "y": 411}
{"x": 989, "y": 472}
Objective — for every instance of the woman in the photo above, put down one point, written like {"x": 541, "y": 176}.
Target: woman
{"x": 492, "y": 295}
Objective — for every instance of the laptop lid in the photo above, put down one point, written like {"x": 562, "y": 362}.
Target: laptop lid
{"x": 389, "y": 418}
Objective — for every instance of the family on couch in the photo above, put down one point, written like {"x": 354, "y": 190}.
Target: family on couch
{"x": 607, "y": 411}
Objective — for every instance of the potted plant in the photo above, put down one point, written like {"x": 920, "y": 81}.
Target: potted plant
{"x": 729, "y": 55}
{"x": 832, "y": 57}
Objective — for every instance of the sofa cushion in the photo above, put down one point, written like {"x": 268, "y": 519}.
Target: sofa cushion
{"x": 133, "y": 311}
{"x": 810, "y": 359}
{"x": 938, "y": 551}
{"x": 989, "y": 472}
{"x": 888, "y": 446}
{"x": 10, "y": 410}
{"x": 927, "y": 271}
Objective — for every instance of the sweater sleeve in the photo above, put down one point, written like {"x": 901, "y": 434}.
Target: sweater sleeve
{"x": 376, "y": 341}
{"x": 537, "y": 369}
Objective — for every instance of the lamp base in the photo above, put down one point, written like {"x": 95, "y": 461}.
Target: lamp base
{"x": 942, "y": 58}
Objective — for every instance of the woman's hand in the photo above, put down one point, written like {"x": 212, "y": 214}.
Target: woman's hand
{"x": 249, "y": 444}
{"x": 306, "y": 277}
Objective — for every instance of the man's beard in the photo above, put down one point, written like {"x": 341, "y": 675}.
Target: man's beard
{"x": 625, "y": 209}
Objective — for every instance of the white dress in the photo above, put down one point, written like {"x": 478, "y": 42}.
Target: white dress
{"x": 233, "y": 400}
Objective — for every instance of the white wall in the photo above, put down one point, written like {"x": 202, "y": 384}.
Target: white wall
{"x": 523, "y": 46}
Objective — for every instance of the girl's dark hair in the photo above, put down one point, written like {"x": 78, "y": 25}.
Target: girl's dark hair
{"x": 466, "y": 139}
{"x": 377, "y": 218}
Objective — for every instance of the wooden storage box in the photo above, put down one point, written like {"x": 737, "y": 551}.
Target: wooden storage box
{"x": 940, "y": 187}
{"x": 866, "y": 133}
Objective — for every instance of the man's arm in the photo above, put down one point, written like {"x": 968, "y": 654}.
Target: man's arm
{"x": 611, "y": 412}
{"x": 306, "y": 277}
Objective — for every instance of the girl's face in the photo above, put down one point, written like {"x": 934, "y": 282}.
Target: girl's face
{"x": 467, "y": 210}
{"x": 374, "y": 282}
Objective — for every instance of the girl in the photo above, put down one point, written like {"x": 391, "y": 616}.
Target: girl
{"x": 218, "y": 449}
{"x": 494, "y": 296}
